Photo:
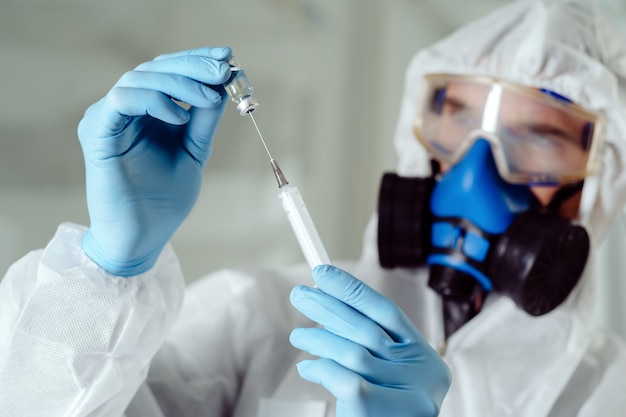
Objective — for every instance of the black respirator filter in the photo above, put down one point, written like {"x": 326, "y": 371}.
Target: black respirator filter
{"x": 404, "y": 220}
{"x": 539, "y": 261}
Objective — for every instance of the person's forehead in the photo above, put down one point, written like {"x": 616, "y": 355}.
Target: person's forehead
{"x": 469, "y": 89}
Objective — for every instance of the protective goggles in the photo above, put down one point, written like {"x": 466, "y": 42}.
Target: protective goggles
{"x": 537, "y": 137}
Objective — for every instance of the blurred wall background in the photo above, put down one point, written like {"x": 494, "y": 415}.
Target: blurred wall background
{"x": 328, "y": 73}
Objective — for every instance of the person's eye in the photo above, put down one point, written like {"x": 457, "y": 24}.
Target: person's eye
{"x": 539, "y": 139}
{"x": 552, "y": 132}
{"x": 465, "y": 116}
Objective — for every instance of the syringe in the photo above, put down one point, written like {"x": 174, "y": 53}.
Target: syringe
{"x": 298, "y": 215}
{"x": 239, "y": 89}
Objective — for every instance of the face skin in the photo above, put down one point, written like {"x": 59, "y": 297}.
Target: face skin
{"x": 535, "y": 136}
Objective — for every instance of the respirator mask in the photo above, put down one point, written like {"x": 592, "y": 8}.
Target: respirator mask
{"x": 488, "y": 221}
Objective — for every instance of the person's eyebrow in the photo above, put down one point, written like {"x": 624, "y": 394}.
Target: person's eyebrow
{"x": 542, "y": 127}
{"x": 454, "y": 101}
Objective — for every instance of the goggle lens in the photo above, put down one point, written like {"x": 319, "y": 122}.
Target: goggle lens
{"x": 536, "y": 137}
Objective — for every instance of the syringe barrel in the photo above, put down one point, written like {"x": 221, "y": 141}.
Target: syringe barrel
{"x": 303, "y": 227}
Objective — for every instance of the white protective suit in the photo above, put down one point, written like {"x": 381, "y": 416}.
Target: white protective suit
{"x": 76, "y": 341}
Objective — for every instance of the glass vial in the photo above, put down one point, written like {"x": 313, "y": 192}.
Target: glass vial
{"x": 239, "y": 89}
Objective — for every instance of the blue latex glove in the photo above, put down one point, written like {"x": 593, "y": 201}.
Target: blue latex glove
{"x": 372, "y": 358}
{"x": 144, "y": 155}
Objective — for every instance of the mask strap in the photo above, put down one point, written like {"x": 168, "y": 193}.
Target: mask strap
{"x": 435, "y": 168}
{"x": 562, "y": 194}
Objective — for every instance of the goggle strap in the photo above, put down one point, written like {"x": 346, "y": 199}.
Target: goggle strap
{"x": 439, "y": 97}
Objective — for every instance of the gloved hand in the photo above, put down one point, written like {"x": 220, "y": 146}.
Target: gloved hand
{"x": 144, "y": 155}
{"x": 373, "y": 359}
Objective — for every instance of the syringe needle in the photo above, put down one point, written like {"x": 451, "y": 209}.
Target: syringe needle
{"x": 278, "y": 173}
{"x": 261, "y": 136}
